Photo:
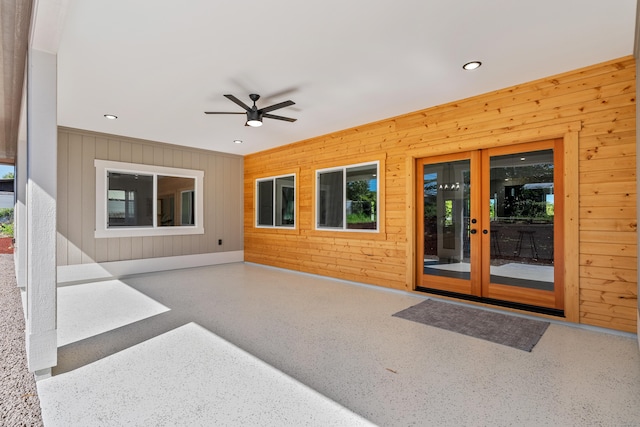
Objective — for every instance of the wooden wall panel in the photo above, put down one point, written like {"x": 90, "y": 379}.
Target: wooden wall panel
{"x": 600, "y": 99}
{"x": 76, "y": 243}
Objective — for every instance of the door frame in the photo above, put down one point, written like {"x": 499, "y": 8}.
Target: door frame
{"x": 460, "y": 286}
{"x": 569, "y": 132}
{"x": 555, "y": 299}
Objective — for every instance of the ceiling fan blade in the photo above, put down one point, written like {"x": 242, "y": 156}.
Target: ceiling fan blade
{"x": 280, "y": 94}
{"x": 272, "y": 116}
{"x": 277, "y": 106}
{"x": 237, "y": 101}
{"x": 221, "y": 112}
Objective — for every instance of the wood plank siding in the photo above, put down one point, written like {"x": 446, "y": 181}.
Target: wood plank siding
{"x": 594, "y": 109}
{"x": 76, "y": 204}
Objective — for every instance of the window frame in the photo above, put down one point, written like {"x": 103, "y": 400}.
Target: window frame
{"x": 344, "y": 168}
{"x": 102, "y": 230}
{"x": 274, "y": 202}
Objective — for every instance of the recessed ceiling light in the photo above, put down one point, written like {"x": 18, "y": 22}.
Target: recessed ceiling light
{"x": 110, "y": 116}
{"x": 472, "y": 65}
{"x": 237, "y": 141}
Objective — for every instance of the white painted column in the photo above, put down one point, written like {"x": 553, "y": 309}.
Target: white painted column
{"x": 41, "y": 212}
{"x": 20, "y": 210}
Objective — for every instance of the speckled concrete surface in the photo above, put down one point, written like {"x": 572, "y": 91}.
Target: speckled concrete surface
{"x": 341, "y": 340}
{"x": 185, "y": 377}
{"x": 19, "y": 403}
{"x": 82, "y": 312}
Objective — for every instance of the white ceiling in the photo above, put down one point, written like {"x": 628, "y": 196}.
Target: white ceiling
{"x": 159, "y": 64}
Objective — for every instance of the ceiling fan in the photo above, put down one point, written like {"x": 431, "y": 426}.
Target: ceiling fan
{"x": 255, "y": 114}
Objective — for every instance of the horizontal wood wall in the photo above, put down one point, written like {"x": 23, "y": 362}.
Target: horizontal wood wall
{"x": 76, "y": 244}
{"x": 600, "y": 98}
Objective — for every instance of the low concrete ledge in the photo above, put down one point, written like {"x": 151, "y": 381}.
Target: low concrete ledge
{"x": 69, "y": 274}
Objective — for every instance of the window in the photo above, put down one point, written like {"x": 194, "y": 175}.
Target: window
{"x": 275, "y": 201}
{"x": 347, "y": 198}
{"x": 129, "y": 200}
{"x": 145, "y": 200}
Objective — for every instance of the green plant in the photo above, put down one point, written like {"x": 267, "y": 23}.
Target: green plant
{"x": 7, "y": 229}
{"x": 529, "y": 208}
{"x": 6, "y": 212}
{"x": 358, "y": 218}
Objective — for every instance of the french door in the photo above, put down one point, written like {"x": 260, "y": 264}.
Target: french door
{"x": 490, "y": 225}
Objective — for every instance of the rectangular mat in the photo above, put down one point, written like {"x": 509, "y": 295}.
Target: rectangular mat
{"x": 499, "y": 328}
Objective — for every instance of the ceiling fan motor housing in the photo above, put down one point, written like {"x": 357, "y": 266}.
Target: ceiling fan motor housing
{"x": 254, "y": 114}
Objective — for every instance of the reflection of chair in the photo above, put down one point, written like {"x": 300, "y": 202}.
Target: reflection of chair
{"x": 495, "y": 243}
{"x": 532, "y": 243}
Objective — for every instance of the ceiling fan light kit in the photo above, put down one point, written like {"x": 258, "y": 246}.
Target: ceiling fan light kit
{"x": 255, "y": 114}
{"x": 254, "y": 119}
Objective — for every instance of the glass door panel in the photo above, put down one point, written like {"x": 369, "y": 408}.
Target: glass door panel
{"x": 521, "y": 208}
{"x": 520, "y": 186}
{"x": 487, "y": 225}
{"x": 448, "y": 224}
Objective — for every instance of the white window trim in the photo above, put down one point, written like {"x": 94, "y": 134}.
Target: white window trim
{"x": 344, "y": 196}
{"x": 256, "y": 201}
{"x": 104, "y": 166}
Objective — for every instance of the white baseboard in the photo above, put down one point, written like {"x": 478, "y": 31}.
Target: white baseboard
{"x": 116, "y": 269}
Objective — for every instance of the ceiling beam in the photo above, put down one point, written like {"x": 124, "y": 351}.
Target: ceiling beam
{"x": 48, "y": 24}
{"x": 15, "y": 19}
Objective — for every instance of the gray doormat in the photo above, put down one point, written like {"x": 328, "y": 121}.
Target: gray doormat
{"x": 499, "y": 328}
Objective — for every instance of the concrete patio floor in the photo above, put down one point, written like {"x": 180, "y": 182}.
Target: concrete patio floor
{"x": 243, "y": 344}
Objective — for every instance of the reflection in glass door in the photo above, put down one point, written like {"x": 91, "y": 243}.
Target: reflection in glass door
{"x": 522, "y": 214}
{"x": 487, "y": 225}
